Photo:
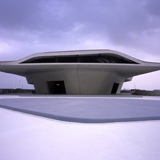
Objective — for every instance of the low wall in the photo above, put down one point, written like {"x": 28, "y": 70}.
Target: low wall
{"x": 147, "y": 93}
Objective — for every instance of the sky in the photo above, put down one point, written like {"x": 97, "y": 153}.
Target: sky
{"x": 33, "y": 26}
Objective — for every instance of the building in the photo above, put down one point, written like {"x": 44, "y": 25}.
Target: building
{"x": 83, "y": 72}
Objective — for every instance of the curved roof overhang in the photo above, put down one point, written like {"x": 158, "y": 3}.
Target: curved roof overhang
{"x": 126, "y": 70}
{"x": 78, "y": 53}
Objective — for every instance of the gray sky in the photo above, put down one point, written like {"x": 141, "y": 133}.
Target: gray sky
{"x": 128, "y": 26}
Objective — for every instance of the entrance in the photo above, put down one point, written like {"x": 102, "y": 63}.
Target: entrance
{"x": 56, "y": 87}
{"x": 114, "y": 88}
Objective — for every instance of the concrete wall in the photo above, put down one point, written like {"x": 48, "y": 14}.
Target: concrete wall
{"x": 78, "y": 81}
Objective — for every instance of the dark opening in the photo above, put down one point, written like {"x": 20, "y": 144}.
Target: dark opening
{"x": 114, "y": 88}
{"x": 67, "y": 59}
{"x": 56, "y": 87}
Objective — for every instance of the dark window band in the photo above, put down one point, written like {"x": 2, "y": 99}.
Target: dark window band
{"x": 81, "y": 59}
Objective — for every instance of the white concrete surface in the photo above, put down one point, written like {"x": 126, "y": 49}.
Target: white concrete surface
{"x": 28, "y": 137}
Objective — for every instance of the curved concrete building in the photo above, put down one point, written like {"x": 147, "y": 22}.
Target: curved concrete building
{"x": 83, "y": 72}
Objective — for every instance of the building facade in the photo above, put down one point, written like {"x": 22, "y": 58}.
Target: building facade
{"x": 83, "y": 72}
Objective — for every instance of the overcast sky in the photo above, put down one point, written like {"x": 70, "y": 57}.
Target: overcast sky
{"x": 128, "y": 26}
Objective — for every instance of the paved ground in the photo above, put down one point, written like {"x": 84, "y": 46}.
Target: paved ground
{"x": 86, "y": 109}
{"x": 29, "y": 137}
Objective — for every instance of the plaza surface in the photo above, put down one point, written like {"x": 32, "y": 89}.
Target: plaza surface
{"x": 86, "y": 109}
{"x": 69, "y": 127}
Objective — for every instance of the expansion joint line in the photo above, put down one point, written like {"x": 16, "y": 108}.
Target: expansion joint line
{"x": 78, "y": 79}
